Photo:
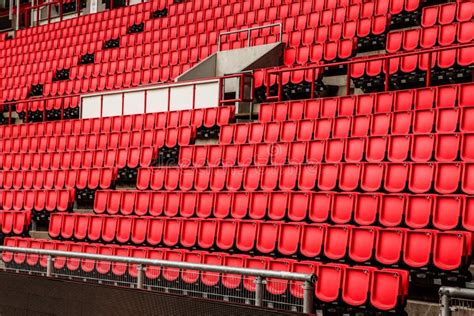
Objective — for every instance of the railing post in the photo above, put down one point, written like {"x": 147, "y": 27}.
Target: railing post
{"x": 60, "y": 10}
{"x": 444, "y": 307}
{"x": 281, "y": 31}
{"x": 27, "y": 110}
{"x": 123, "y": 103}
{"x": 38, "y": 15}
{"x": 258, "y": 291}
{"x": 49, "y": 266}
{"x": 62, "y": 108}
{"x": 280, "y": 85}
{"x": 428, "y": 70}
{"x": 169, "y": 98}
{"x": 308, "y": 294}
{"x": 101, "y": 106}
{"x": 140, "y": 276}
{"x": 17, "y": 18}
{"x": 145, "y": 100}
{"x": 248, "y": 39}
{"x": 10, "y": 114}
{"x": 221, "y": 88}
{"x": 194, "y": 97}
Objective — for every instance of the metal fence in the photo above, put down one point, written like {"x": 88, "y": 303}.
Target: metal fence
{"x": 456, "y": 301}
{"x": 248, "y": 32}
{"x": 266, "y": 288}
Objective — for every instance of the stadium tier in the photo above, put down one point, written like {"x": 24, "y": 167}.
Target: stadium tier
{"x": 370, "y": 191}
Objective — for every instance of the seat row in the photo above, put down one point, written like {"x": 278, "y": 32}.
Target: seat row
{"x": 429, "y": 37}
{"x": 169, "y": 137}
{"x": 125, "y": 123}
{"x": 119, "y": 158}
{"x": 228, "y": 16}
{"x": 455, "y": 57}
{"x": 329, "y": 51}
{"x": 86, "y": 86}
{"x": 328, "y": 17}
{"x": 203, "y": 10}
{"x": 337, "y": 30}
{"x": 444, "y": 120}
{"x": 395, "y": 148}
{"x": 109, "y": 82}
{"x": 352, "y": 285}
{"x": 37, "y": 200}
{"x": 449, "y": 250}
{"x": 116, "y": 81}
{"x": 15, "y": 222}
{"x": 447, "y": 13}
{"x": 443, "y": 212}
{"x": 46, "y": 105}
{"x": 295, "y": 76}
{"x": 443, "y": 178}
{"x": 366, "y": 104}
{"x": 89, "y": 18}
{"x": 92, "y": 179}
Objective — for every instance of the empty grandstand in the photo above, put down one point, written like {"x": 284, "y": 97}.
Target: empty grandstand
{"x": 264, "y": 156}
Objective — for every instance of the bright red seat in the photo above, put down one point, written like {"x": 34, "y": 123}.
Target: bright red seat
{"x": 329, "y": 283}
{"x": 418, "y": 247}
{"x": 362, "y": 243}
{"x": 389, "y": 246}
{"x": 356, "y": 285}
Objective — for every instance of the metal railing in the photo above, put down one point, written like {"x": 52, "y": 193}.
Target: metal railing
{"x": 148, "y": 89}
{"x": 146, "y": 275}
{"x": 59, "y": 3}
{"x": 249, "y": 31}
{"x": 27, "y": 106}
{"x": 245, "y": 82}
{"x": 386, "y": 58}
{"x": 36, "y": 9}
{"x": 244, "y": 79}
{"x": 455, "y": 299}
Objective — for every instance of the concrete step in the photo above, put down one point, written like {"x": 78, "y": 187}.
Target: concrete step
{"x": 83, "y": 211}
{"x": 39, "y": 234}
{"x": 419, "y": 308}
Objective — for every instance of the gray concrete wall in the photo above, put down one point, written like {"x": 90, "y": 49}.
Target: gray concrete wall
{"x": 248, "y": 58}
{"x": 418, "y": 308}
{"x": 235, "y": 61}
{"x": 205, "y": 69}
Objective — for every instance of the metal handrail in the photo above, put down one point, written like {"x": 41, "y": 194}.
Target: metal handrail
{"x": 386, "y": 58}
{"x": 241, "y": 76}
{"x": 447, "y": 292}
{"x": 307, "y": 279}
{"x": 248, "y": 31}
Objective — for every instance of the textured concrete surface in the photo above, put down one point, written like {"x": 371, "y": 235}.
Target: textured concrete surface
{"x": 418, "y": 308}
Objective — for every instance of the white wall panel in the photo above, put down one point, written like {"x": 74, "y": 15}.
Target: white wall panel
{"x": 112, "y": 105}
{"x": 134, "y": 103}
{"x": 181, "y": 98}
{"x": 157, "y": 100}
{"x": 207, "y": 95}
{"x": 90, "y": 107}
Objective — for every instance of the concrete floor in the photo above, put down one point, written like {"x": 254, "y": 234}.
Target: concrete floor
{"x": 418, "y": 308}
